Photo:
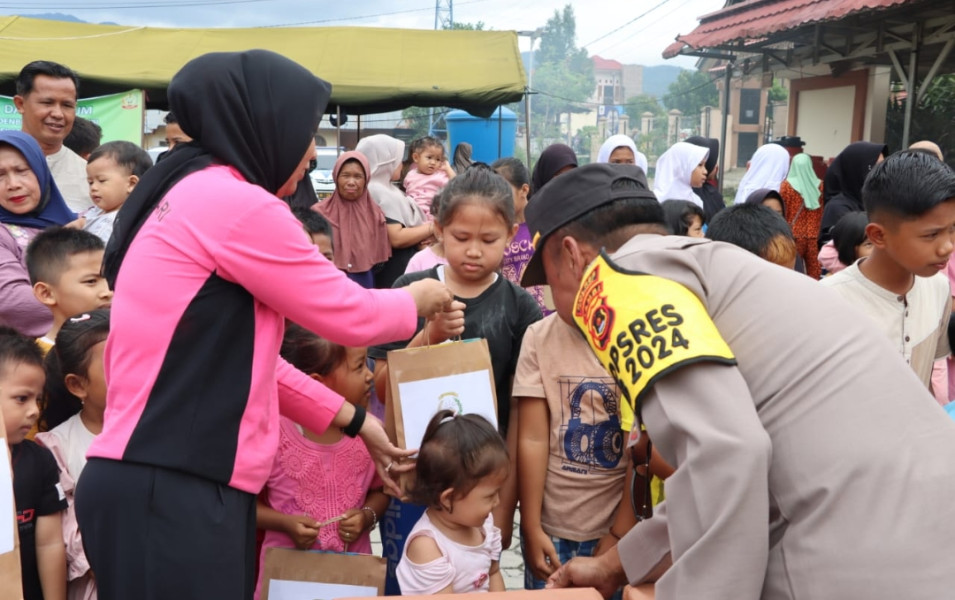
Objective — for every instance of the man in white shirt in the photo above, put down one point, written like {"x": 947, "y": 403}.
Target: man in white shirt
{"x": 46, "y": 98}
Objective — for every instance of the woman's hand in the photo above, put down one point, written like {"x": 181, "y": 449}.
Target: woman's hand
{"x": 389, "y": 459}
{"x": 430, "y": 296}
{"x": 302, "y": 529}
{"x": 446, "y": 324}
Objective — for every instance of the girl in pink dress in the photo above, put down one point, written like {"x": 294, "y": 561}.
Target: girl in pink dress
{"x": 455, "y": 547}
{"x": 323, "y": 492}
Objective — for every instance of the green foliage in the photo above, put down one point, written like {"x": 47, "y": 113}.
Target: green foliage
{"x": 653, "y": 143}
{"x": 940, "y": 95}
{"x": 479, "y": 26}
{"x": 417, "y": 119}
{"x": 778, "y": 93}
{"x": 691, "y": 91}
{"x": 640, "y": 104}
{"x": 584, "y": 139}
{"x": 564, "y": 75}
{"x": 931, "y": 118}
{"x": 559, "y": 39}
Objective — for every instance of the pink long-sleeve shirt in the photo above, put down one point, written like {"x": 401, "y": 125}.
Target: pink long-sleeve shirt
{"x": 194, "y": 377}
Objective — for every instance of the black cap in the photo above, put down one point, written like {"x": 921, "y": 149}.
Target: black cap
{"x": 571, "y": 195}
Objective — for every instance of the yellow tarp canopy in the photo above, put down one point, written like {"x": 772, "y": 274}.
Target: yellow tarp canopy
{"x": 371, "y": 69}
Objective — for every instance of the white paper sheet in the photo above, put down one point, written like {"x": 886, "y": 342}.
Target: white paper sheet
{"x": 467, "y": 393}
{"x": 281, "y": 589}
{"x": 7, "y": 516}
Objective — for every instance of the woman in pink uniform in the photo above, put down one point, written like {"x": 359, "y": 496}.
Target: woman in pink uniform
{"x": 207, "y": 263}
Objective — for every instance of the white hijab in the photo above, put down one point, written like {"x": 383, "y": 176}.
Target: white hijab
{"x": 617, "y": 141}
{"x": 767, "y": 170}
{"x": 384, "y": 153}
{"x": 622, "y": 141}
{"x": 674, "y": 172}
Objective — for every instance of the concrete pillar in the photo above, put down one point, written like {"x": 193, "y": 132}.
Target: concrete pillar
{"x": 673, "y": 126}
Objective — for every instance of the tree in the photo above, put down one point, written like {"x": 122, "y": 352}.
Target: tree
{"x": 931, "y": 117}
{"x": 563, "y": 74}
{"x": 691, "y": 91}
{"x": 417, "y": 119}
{"x": 640, "y": 104}
{"x": 479, "y": 26}
{"x": 778, "y": 94}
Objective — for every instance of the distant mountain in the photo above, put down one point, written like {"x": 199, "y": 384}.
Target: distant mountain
{"x": 55, "y": 17}
{"x": 62, "y": 17}
{"x": 657, "y": 79}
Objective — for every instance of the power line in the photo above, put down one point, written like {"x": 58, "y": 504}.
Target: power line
{"x": 358, "y": 18}
{"x": 649, "y": 25}
{"x": 598, "y": 104}
{"x": 631, "y": 21}
{"x": 151, "y": 4}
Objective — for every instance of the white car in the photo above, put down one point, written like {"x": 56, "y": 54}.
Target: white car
{"x": 321, "y": 175}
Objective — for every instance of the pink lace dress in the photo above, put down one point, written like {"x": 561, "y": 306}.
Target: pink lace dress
{"x": 321, "y": 481}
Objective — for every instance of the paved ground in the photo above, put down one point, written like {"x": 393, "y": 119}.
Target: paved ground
{"x": 512, "y": 564}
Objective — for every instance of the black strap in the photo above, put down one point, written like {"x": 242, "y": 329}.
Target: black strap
{"x": 356, "y": 422}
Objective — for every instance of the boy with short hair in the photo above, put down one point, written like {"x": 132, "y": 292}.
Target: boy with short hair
{"x": 64, "y": 265}
{"x": 36, "y": 483}
{"x": 319, "y": 230}
{"x": 910, "y": 201}
{"x": 570, "y": 451}
{"x": 85, "y": 137}
{"x": 112, "y": 172}
{"x": 757, "y": 229}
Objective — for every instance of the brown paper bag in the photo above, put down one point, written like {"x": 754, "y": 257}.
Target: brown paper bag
{"x": 422, "y": 381}
{"x": 307, "y": 575}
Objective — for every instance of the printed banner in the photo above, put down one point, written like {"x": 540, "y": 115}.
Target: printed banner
{"x": 119, "y": 115}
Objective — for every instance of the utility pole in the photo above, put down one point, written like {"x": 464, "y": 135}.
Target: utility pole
{"x": 443, "y": 19}
{"x": 534, "y": 35}
{"x": 443, "y": 14}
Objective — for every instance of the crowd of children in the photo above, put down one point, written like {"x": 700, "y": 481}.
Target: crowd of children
{"x": 559, "y": 422}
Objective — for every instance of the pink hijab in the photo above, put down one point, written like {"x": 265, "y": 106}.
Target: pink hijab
{"x": 360, "y": 237}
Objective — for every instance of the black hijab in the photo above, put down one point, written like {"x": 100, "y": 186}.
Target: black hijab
{"x": 554, "y": 158}
{"x": 255, "y": 111}
{"x": 842, "y": 186}
{"x": 849, "y": 169}
{"x": 714, "y": 146}
{"x": 712, "y": 198}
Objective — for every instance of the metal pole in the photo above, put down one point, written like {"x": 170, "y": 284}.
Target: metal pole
{"x": 726, "y": 112}
{"x": 338, "y": 130}
{"x": 527, "y": 125}
{"x": 910, "y": 96}
{"x": 527, "y": 96}
{"x": 500, "y": 129}
{"x": 358, "y": 127}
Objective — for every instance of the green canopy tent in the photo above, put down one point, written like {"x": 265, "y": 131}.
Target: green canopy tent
{"x": 372, "y": 70}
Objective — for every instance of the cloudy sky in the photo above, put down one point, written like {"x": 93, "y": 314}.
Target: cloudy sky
{"x": 614, "y": 29}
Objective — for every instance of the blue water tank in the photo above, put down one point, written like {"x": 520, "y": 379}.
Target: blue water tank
{"x": 490, "y": 138}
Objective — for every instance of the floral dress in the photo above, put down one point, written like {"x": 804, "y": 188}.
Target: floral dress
{"x": 805, "y": 224}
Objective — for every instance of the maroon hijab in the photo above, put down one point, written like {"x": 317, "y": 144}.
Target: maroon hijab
{"x": 360, "y": 236}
